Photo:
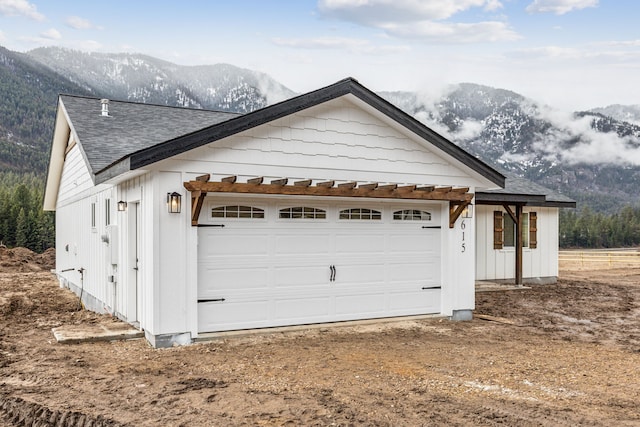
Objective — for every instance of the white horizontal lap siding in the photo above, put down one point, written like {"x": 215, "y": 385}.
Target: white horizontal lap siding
{"x": 75, "y": 176}
{"x": 336, "y": 140}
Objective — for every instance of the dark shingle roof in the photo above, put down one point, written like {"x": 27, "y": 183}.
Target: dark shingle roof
{"x": 522, "y": 190}
{"x": 130, "y": 127}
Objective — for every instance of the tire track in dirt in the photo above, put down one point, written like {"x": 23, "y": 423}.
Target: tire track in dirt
{"x": 19, "y": 412}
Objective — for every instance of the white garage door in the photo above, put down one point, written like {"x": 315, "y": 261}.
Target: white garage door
{"x": 265, "y": 264}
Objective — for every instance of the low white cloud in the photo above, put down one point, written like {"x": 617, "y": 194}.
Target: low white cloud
{"x": 79, "y": 23}
{"x": 376, "y": 12}
{"x": 599, "y": 53}
{"x": 490, "y": 31}
{"x": 423, "y": 20}
{"x": 559, "y": 7}
{"x": 52, "y": 34}
{"x": 344, "y": 43}
{"x": 573, "y": 140}
{"x": 20, "y": 8}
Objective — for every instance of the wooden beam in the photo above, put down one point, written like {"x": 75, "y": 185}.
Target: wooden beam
{"x": 426, "y": 188}
{"x": 282, "y": 181}
{"x": 304, "y": 183}
{"x": 519, "y": 245}
{"x": 257, "y": 180}
{"x": 443, "y": 189}
{"x": 204, "y": 178}
{"x": 511, "y": 213}
{"x": 406, "y": 188}
{"x": 344, "y": 191}
{"x": 460, "y": 189}
{"x": 197, "y": 198}
{"x": 348, "y": 185}
{"x": 371, "y": 186}
{"x": 388, "y": 187}
{"x": 328, "y": 184}
{"x": 230, "y": 179}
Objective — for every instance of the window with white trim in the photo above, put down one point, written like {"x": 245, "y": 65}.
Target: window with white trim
{"x": 360, "y": 214}
{"x": 237, "y": 211}
{"x": 302, "y": 212}
{"x": 411, "y": 215}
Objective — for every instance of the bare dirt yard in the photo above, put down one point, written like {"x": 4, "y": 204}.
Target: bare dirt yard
{"x": 565, "y": 354}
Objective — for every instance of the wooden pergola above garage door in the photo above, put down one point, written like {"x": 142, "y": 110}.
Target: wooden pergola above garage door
{"x": 458, "y": 197}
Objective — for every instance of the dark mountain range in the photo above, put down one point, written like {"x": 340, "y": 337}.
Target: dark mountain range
{"x": 590, "y": 155}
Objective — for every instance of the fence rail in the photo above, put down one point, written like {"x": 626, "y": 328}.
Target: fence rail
{"x": 593, "y": 259}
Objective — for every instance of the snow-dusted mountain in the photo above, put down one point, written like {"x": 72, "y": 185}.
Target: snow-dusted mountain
{"x": 587, "y": 155}
{"x": 627, "y": 113}
{"x": 142, "y": 78}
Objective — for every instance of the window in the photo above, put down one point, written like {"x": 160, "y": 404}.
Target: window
{"x": 107, "y": 212}
{"x": 303, "y": 213}
{"x": 237, "y": 212}
{"x": 359, "y": 213}
{"x": 411, "y": 215}
{"x": 93, "y": 215}
{"x": 504, "y": 230}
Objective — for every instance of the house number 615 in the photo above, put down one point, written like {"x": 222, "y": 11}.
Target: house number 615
{"x": 464, "y": 245}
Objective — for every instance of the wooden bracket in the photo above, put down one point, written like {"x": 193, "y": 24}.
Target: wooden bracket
{"x": 197, "y": 198}
{"x": 455, "y": 210}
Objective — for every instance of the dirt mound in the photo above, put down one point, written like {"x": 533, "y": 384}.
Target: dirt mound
{"x": 24, "y": 260}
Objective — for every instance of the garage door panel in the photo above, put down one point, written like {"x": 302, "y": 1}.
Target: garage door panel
{"x": 356, "y": 305}
{"x": 234, "y": 244}
{"x": 414, "y": 271}
{"x": 301, "y": 276}
{"x": 414, "y": 302}
{"x": 233, "y": 315}
{"x": 300, "y": 244}
{"x": 412, "y": 243}
{"x": 360, "y": 243}
{"x": 216, "y": 280}
{"x": 358, "y": 273}
{"x": 303, "y": 308}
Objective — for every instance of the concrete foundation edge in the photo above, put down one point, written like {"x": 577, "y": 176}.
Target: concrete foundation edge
{"x": 462, "y": 315}
{"x": 168, "y": 340}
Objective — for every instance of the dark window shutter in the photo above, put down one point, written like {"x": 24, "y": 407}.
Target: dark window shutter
{"x": 533, "y": 230}
{"x": 497, "y": 230}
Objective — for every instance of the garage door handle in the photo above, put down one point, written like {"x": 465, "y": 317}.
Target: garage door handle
{"x": 332, "y": 275}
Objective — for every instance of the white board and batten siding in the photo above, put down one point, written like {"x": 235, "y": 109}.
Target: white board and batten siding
{"x": 82, "y": 245}
{"x": 499, "y": 264}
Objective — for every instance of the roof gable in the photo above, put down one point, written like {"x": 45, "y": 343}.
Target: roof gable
{"x": 170, "y": 147}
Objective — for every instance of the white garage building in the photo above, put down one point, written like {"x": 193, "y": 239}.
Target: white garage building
{"x": 331, "y": 206}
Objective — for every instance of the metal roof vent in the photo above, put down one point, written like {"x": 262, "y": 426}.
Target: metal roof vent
{"x": 105, "y": 107}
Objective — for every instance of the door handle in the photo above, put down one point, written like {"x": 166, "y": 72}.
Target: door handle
{"x": 332, "y": 275}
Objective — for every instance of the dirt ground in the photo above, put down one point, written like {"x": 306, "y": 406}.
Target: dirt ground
{"x": 565, "y": 355}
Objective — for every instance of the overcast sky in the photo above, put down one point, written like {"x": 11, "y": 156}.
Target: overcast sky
{"x": 570, "y": 54}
